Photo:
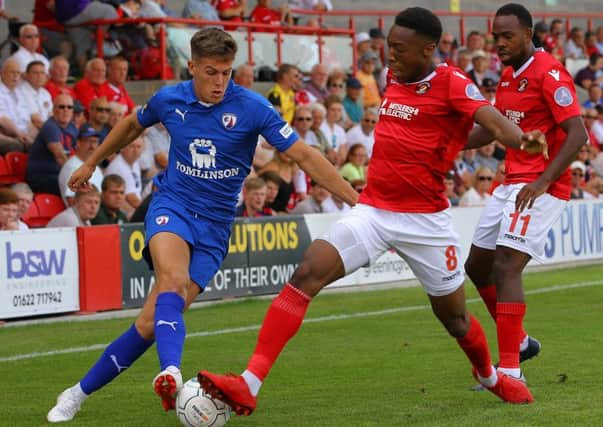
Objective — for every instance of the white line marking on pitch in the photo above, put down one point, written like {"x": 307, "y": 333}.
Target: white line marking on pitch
{"x": 93, "y": 347}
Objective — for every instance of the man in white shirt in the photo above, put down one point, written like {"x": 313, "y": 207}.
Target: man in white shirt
{"x": 35, "y": 96}
{"x": 29, "y": 39}
{"x": 87, "y": 141}
{"x": 85, "y": 208}
{"x": 364, "y": 132}
{"x": 25, "y": 196}
{"x": 15, "y": 120}
{"x": 126, "y": 165}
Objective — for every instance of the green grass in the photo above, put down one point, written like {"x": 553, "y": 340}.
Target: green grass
{"x": 392, "y": 369}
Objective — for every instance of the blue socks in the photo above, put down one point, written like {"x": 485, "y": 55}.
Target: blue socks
{"x": 116, "y": 358}
{"x": 169, "y": 329}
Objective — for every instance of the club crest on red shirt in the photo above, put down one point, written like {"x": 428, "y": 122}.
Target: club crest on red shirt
{"x": 523, "y": 84}
{"x": 423, "y": 87}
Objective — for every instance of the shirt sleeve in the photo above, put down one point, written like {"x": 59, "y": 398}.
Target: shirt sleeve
{"x": 274, "y": 129}
{"x": 148, "y": 114}
{"x": 464, "y": 95}
{"x": 559, "y": 94}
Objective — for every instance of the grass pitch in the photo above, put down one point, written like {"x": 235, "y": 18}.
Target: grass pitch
{"x": 376, "y": 358}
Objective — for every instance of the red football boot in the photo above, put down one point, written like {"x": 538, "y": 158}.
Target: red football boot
{"x": 230, "y": 389}
{"x": 509, "y": 389}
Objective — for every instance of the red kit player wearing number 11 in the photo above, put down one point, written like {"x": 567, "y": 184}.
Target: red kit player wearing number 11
{"x": 535, "y": 92}
{"x": 424, "y": 120}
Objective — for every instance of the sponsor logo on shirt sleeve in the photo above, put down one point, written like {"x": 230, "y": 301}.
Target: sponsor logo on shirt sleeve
{"x": 563, "y": 97}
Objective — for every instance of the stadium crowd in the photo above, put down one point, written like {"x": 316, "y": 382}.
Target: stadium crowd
{"x": 58, "y": 124}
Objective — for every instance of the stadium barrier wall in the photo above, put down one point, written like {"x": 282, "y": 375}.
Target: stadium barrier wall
{"x": 41, "y": 271}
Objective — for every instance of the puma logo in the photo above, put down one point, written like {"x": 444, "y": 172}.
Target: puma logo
{"x": 170, "y": 324}
{"x": 180, "y": 113}
{"x": 117, "y": 365}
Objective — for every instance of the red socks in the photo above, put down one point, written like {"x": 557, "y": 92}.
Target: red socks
{"x": 282, "y": 321}
{"x": 488, "y": 294}
{"x": 475, "y": 346}
{"x": 509, "y": 318}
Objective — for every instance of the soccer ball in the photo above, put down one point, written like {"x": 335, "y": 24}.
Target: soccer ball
{"x": 196, "y": 408}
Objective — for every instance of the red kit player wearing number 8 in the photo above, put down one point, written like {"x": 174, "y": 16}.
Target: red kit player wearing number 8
{"x": 425, "y": 119}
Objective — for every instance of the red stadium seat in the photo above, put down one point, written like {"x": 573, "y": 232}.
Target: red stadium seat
{"x": 6, "y": 176}
{"x": 32, "y": 217}
{"x": 17, "y": 163}
{"x": 48, "y": 206}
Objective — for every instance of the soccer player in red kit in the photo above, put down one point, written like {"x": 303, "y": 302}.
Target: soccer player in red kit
{"x": 425, "y": 119}
{"x": 535, "y": 92}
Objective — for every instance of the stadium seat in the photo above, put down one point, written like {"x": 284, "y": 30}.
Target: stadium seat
{"x": 32, "y": 217}
{"x": 17, "y": 164}
{"x": 6, "y": 176}
{"x": 48, "y": 206}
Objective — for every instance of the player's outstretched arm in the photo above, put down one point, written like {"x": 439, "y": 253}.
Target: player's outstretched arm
{"x": 322, "y": 171}
{"x": 124, "y": 132}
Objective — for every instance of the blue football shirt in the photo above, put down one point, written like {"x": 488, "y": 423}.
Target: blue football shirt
{"x": 212, "y": 147}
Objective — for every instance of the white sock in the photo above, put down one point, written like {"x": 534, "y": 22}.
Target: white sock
{"x": 489, "y": 381}
{"x": 78, "y": 393}
{"x": 252, "y": 381}
{"x": 512, "y": 372}
{"x": 524, "y": 343}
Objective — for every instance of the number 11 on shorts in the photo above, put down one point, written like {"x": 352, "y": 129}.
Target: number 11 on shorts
{"x": 525, "y": 220}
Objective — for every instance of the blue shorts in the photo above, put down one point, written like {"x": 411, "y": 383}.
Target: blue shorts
{"x": 208, "y": 240}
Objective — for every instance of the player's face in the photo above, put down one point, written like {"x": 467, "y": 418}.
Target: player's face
{"x": 512, "y": 40}
{"x": 210, "y": 78}
{"x": 409, "y": 55}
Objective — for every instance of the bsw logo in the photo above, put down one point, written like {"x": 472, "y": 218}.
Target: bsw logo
{"x": 117, "y": 365}
{"x": 165, "y": 322}
{"x": 180, "y": 113}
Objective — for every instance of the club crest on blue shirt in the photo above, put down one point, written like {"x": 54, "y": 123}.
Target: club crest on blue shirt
{"x": 162, "y": 220}
{"x": 472, "y": 92}
{"x": 523, "y": 84}
{"x": 229, "y": 120}
{"x": 423, "y": 87}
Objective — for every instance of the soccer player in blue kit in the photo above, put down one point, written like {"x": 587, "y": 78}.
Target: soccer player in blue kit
{"x": 214, "y": 126}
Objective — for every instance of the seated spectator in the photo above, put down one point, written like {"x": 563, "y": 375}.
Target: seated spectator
{"x": 53, "y": 37}
{"x": 366, "y": 65}
{"x": 463, "y": 60}
{"x": 9, "y": 217}
{"x": 98, "y": 117}
{"x": 574, "y": 48}
{"x": 319, "y": 112}
{"x": 286, "y": 169}
{"x": 364, "y": 132}
{"x": 112, "y": 201}
{"x": 29, "y": 40}
{"x": 590, "y": 43}
{"x": 334, "y": 134}
{"x": 230, "y": 10}
{"x": 363, "y": 43}
{"x": 499, "y": 176}
{"x": 480, "y": 70}
{"x": 84, "y": 209}
{"x": 79, "y": 114}
{"x": 597, "y": 127}
{"x": 317, "y": 5}
{"x": 282, "y": 94}
{"x": 15, "y": 118}
{"x": 336, "y": 83}
{"x": 254, "y": 199}
{"x": 264, "y": 14}
{"x": 314, "y": 203}
{"x": 317, "y": 86}
{"x": 117, "y": 73}
{"x": 543, "y": 39}
{"x": 599, "y": 35}
{"x": 475, "y": 41}
{"x": 484, "y": 156}
{"x": 578, "y": 171}
{"x": 200, "y": 9}
{"x": 93, "y": 85}
{"x": 595, "y": 97}
{"x": 377, "y": 44}
{"x": 51, "y": 148}
{"x": 117, "y": 112}
{"x": 273, "y": 183}
{"x": 354, "y": 168}
{"x": 494, "y": 63}
{"x": 302, "y": 122}
{"x": 443, "y": 52}
{"x": 37, "y": 98}
{"x": 244, "y": 76}
{"x": 449, "y": 189}
{"x": 59, "y": 74}
{"x": 131, "y": 37}
{"x": 352, "y": 102}
{"x": 478, "y": 194}
{"x": 157, "y": 140}
{"x": 126, "y": 165}
{"x": 488, "y": 89}
{"x": 25, "y": 196}
{"x": 87, "y": 141}
{"x": 592, "y": 73}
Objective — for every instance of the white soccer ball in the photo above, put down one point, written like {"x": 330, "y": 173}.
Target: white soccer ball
{"x": 196, "y": 408}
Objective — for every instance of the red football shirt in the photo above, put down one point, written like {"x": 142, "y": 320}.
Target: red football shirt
{"x": 422, "y": 126}
{"x": 539, "y": 95}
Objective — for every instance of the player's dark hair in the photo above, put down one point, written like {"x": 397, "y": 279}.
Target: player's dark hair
{"x": 213, "y": 43}
{"x": 112, "y": 179}
{"x": 523, "y": 15}
{"x": 423, "y": 21}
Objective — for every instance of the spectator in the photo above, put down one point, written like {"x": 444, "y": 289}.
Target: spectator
{"x": 364, "y": 132}
{"x": 29, "y": 39}
{"x": 286, "y": 169}
{"x": 59, "y": 74}
{"x": 264, "y": 14}
{"x": 25, "y": 196}
{"x": 317, "y": 86}
{"x": 463, "y": 60}
{"x": 443, "y": 52}
{"x": 132, "y": 37}
{"x": 15, "y": 118}
{"x": 93, "y": 84}
{"x": 230, "y": 10}
{"x": 540, "y": 36}
{"x": 578, "y": 170}
{"x": 363, "y": 43}
{"x": 449, "y": 191}
{"x": 592, "y": 73}
{"x": 71, "y": 13}
{"x": 84, "y": 209}
{"x": 157, "y": 139}
{"x": 51, "y": 148}
{"x": 334, "y": 134}
{"x": 365, "y": 75}
{"x": 494, "y": 62}
{"x": 590, "y": 43}
{"x": 488, "y": 89}
{"x": 79, "y": 115}
{"x": 314, "y": 203}
{"x": 117, "y": 73}
{"x": 126, "y": 165}
{"x": 254, "y": 199}
{"x": 9, "y": 217}
{"x": 574, "y": 48}
{"x": 99, "y": 117}
{"x": 376, "y": 46}
{"x": 483, "y": 157}
{"x": 590, "y": 116}
{"x": 302, "y": 123}
{"x": 35, "y": 96}
{"x": 319, "y": 112}
{"x": 87, "y": 141}
{"x": 336, "y": 83}
{"x": 478, "y": 194}
{"x": 475, "y": 41}
{"x": 479, "y": 70}
{"x": 599, "y": 35}
{"x": 117, "y": 112}
{"x": 597, "y": 126}
{"x": 53, "y": 37}
{"x": 112, "y": 201}
{"x": 595, "y": 97}
{"x": 273, "y": 183}
{"x": 556, "y": 39}
{"x": 499, "y": 176}
{"x": 315, "y": 5}
{"x": 244, "y": 76}
{"x": 200, "y": 9}
{"x": 282, "y": 94}
{"x": 354, "y": 168}
{"x": 352, "y": 102}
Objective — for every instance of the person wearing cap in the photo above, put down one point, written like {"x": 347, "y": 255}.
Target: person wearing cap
{"x": 488, "y": 89}
{"x": 365, "y": 75}
{"x": 352, "y": 101}
{"x": 87, "y": 140}
{"x": 377, "y": 44}
{"x": 79, "y": 114}
{"x": 53, "y": 145}
{"x": 578, "y": 171}
{"x": 363, "y": 43}
{"x": 480, "y": 70}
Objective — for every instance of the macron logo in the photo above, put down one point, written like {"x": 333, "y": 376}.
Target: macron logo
{"x": 554, "y": 74}
{"x": 180, "y": 113}
{"x": 165, "y": 322}
{"x": 117, "y": 365}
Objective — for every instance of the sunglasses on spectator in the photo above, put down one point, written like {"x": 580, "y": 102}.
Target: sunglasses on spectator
{"x": 300, "y": 119}
{"x": 339, "y": 85}
{"x": 484, "y": 178}
{"x": 103, "y": 110}
{"x": 64, "y": 107}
